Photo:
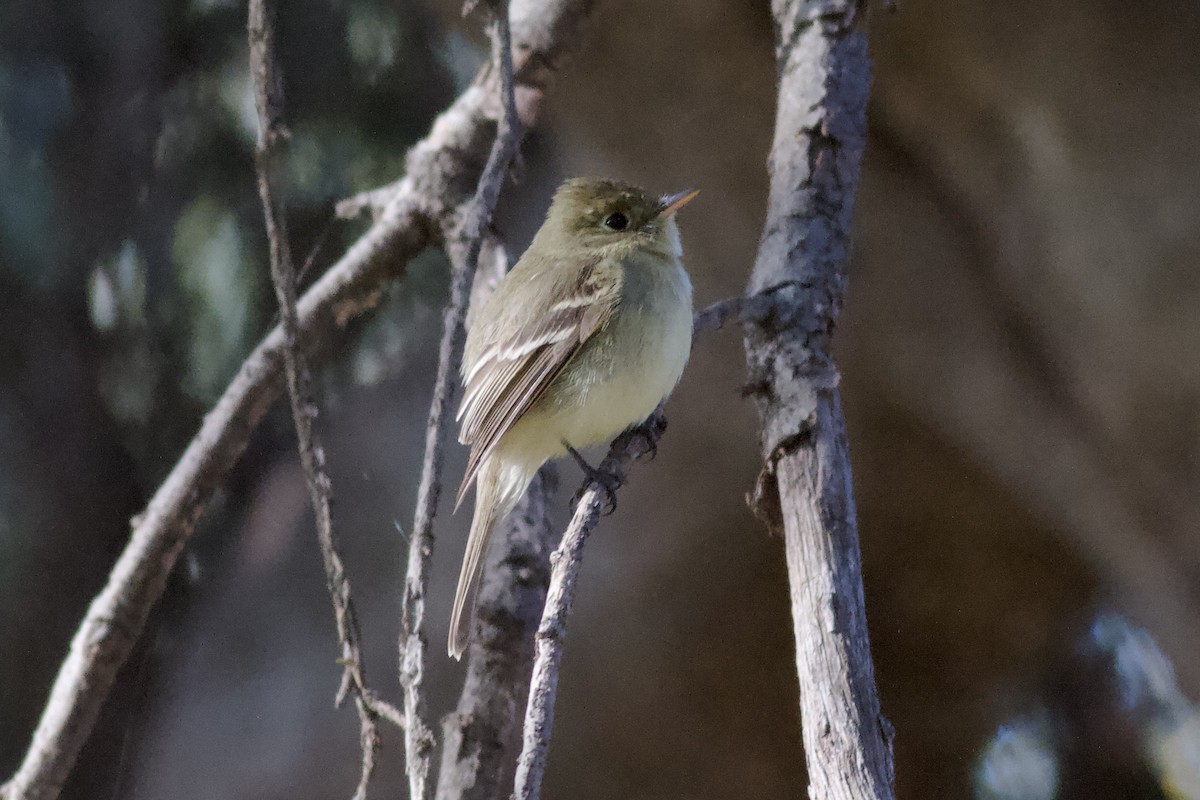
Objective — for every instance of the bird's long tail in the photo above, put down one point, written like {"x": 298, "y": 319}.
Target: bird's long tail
{"x": 498, "y": 487}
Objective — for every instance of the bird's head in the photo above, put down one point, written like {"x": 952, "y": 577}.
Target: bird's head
{"x": 604, "y": 215}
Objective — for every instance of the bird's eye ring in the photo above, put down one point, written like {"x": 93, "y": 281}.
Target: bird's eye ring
{"x": 616, "y": 221}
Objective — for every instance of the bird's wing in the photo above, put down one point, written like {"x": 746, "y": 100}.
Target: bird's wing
{"x": 512, "y": 373}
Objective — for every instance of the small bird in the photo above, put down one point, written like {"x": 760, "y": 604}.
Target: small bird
{"x": 582, "y": 340}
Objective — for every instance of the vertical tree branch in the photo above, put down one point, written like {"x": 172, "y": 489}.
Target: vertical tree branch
{"x": 464, "y": 242}
{"x": 565, "y": 564}
{"x": 272, "y": 138}
{"x": 805, "y": 487}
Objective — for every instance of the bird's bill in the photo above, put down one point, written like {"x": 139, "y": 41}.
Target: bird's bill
{"x": 674, "y": 202}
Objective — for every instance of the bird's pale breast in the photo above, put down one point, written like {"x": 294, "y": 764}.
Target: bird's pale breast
{"x": 621, "y": 374}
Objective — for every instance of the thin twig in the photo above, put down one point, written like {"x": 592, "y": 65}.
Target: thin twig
{"x": 717, "y": 315}
{"x": 314, "y": 251}
{"x": 565, "y": 564}
{"x": 464, "y": 244}
{"x": 755, "y": 308}
{"x": 272, "y": 138}
{"x": 373, "y": 201}
{"x": 439, "y": 166}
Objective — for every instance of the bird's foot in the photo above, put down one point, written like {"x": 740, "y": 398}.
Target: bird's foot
{"x": 649, "y": 442}
{"x": 605, "y": 480}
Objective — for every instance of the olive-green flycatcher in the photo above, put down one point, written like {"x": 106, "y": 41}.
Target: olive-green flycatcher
{"x": 583, "y": 339}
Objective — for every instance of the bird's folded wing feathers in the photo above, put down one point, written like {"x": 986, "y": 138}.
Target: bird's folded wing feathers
{"x": 510, "y": 375}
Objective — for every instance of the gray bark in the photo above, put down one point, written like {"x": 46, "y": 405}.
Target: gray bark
{"x": 805, "y": 489}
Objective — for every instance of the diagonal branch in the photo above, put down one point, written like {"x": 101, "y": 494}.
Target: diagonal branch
{"x": 565, "y": 564}
{"x": 805, "y": 488}
{"x": 442, "y": 169}
{"x": 463, "y": 243}
{"x": 272, "y": 139}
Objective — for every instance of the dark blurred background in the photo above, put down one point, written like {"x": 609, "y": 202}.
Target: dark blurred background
{"x": 1020, "y": 375}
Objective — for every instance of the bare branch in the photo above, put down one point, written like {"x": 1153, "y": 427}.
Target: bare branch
{"x": 441, "y": 170}
{"x": 371, "y": 202}
{"x": 565, "y": 564}
{"x": 463, "y": 245}
{"x": 482, "y": 737}
{"x": 272, "y": 139}
{"x": 805, "y": 486}
{"x": 755, "y": 308}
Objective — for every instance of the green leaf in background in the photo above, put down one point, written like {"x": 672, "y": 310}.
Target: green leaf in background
{"x": 221, "y": 286}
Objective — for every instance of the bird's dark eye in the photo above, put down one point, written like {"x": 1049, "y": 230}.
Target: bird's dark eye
{"x": 616, "y": 221}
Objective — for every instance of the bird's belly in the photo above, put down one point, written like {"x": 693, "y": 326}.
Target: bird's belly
{"x": 610, "y": 406}
{"x": 610, "y": 388}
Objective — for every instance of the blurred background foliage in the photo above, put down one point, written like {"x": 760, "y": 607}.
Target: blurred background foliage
{"x": 1019, "y": 368}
